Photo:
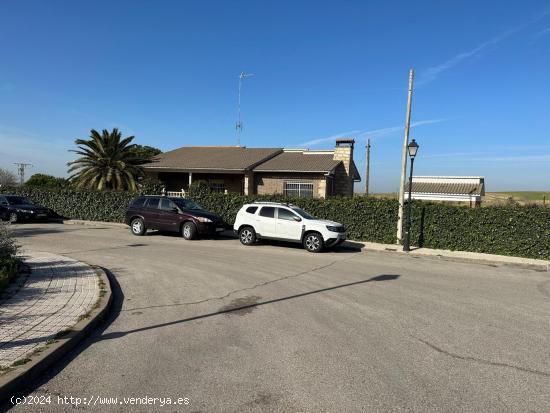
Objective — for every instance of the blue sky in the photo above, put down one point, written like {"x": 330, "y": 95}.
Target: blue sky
{"x": 166, "y": 72}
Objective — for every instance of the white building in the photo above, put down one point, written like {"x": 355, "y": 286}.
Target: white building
{"x": 448, "y": 188}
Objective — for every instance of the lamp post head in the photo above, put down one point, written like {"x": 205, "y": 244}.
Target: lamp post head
{"x": 413, "y": 148}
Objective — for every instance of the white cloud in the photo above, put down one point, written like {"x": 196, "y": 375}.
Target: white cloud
{"x": 540, "y": 34}
{"x": 375, "y": 133}
{"x": 433, "y": 72}
{"x": 317, "y": 141}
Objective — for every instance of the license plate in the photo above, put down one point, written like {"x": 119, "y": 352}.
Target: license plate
{"x": 219, "y": 229}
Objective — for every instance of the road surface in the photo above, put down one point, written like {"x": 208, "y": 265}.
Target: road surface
{"x": 274, "y": 328}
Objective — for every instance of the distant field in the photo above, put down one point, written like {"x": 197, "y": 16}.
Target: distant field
{"x": 522, "y": 197}
{"x": 495, "y": 198}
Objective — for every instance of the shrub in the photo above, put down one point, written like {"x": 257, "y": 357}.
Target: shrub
{"x": 48, "y": 181}
{"x": 9, "y": 263}
{"x": 8, "y": 245}
{"x": 508, "y": 230}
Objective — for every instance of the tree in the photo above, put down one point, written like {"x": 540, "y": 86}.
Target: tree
{"x": 106, "y": 162}
{"x": 48, "y": 181}
{"x": 7, "y": 178}
{"x": 145, "y": 152}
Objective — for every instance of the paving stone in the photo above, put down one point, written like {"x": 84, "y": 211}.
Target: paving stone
{"x": 54, "y": 295}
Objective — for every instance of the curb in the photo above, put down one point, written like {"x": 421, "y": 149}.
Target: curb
{"x": 14, "y": 381}
{"x": 85, "y": 222}
{"x": 461, "y": 256}
{"x": 456, "y": 256}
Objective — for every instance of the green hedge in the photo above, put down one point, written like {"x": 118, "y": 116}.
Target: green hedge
{"x": 508, "y": 230}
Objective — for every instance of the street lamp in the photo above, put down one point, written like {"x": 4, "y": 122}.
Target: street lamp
{"x": 413, "y": 149}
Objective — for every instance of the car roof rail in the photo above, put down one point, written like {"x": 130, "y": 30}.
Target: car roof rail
{"x": 272, "y": 203}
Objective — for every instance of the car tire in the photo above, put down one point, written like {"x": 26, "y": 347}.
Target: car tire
{"x": 137, "y": 226}
{"x": 13, "y": 218}
{"x": 189, "y": 231}
{"x": 313, "y": 242}
{"x": 247, "y": 235}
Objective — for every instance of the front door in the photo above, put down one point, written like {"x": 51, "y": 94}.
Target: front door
{"x": 168, "y": 217}
{"x": 289, "y": 225}
{"x": 266, "y": 223}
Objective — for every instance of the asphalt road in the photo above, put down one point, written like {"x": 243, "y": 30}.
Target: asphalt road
{"x": 274, "y": 328}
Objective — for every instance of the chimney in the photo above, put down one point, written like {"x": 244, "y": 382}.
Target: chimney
{"x": 344, "y": 152}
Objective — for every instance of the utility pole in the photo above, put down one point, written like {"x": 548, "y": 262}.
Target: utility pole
{"x": 367, "y": 168}
{"x": 404, "y": 160}
{"x": 21, "y": 170}
{"x": 239, "y": 124}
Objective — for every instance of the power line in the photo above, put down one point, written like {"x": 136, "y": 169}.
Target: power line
{"x": 21, "y": 170}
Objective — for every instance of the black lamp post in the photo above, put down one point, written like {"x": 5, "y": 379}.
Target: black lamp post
{"x": 413, "y": 149}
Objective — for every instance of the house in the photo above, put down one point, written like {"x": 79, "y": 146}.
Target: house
{"x": 448, "y": 188}
{"x": 260, "y": 171}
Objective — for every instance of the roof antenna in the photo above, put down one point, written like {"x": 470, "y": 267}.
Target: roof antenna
{"x": 239, "y": 124}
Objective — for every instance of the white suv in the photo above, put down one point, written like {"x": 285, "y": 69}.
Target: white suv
{"x": 285, "y": 222}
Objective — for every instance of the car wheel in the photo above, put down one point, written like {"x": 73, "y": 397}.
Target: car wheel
{"x": 313, "y": 242}
{"x": 138, "y": 227}
{"x": 189, "y": 231}
{"x": 247, "y": 236}
{"x": 12, "y": 218}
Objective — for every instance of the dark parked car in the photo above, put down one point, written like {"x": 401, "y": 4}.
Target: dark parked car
{"x": 16, "y": 208}
{"x": 172, "y": 214}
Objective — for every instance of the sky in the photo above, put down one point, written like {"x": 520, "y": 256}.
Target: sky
{"x": 167, "y": 73}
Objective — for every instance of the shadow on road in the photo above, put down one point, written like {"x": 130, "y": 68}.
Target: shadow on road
{"x": 118, "y": 298}
{"x": 225, "y": 310}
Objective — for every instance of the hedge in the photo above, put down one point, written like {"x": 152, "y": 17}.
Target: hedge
{"x": 507, "y": 230}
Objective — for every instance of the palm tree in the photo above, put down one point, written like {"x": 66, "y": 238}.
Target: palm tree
{"x": 107, "y": 162}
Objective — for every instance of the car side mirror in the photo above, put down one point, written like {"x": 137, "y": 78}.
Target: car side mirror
{"x": 175, "y": 209}
{"x": 297, "y": 219}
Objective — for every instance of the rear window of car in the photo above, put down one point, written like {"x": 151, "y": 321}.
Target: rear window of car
{"x": 268, "y": 212}
{"x": 137, "y": 203}
{"x": 152, "y": 203}
{"x": 252, "y": 209}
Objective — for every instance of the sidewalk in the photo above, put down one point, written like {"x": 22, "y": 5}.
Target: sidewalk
{"x": 56, "y": 294}
{"x": 461, "y": 256}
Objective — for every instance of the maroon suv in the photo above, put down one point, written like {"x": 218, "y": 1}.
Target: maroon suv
{"x": 171, "y": 214}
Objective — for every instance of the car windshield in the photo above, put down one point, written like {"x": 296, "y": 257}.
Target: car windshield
{"x": 303, "y": 213}
{"x": 18, "y": 200}
{"x": 186, "y": 203}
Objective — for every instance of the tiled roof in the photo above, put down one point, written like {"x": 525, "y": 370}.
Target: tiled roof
{"x": 299, "y": 162}
{"x": 446, "y": 188}
{"x": 212, "y": 158}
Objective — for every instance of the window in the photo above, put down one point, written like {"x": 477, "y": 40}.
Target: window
{"x": 3, "y": 201}
{"x": 152, "y": 203}
{"x": 268, "y": 212}
{"x": 303, "y": 213}
{"x": 286, "y": 215}
{"x": 184, "y": 203}
{"x": 166, "y": 204}
{"x": 18, "y": 200}
{"x": 252, "y": 209}
{"x": 298, "y": 189}
{"x": 137, "y": 203}
{"x": 217, "y": 186}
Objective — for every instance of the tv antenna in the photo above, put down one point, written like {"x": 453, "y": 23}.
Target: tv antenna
{"x": 239, "y": 124}
{"x": 21, "y": 170}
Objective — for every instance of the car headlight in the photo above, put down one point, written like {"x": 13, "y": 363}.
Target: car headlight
{"x": 24, "y": 211}
{"x": 203, "y": 219}
{"x": 335, "y": 229}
